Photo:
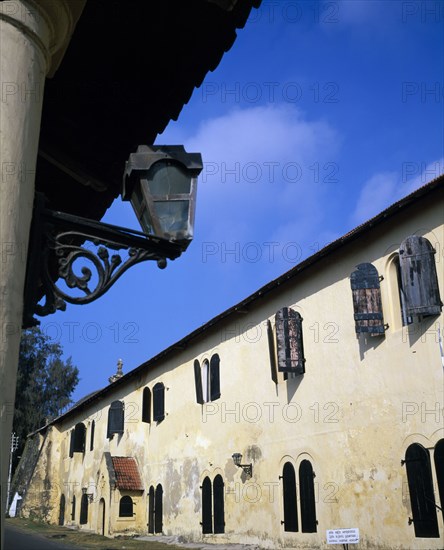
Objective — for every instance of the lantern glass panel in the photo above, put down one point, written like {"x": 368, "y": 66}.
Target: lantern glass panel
{"x": 167, "y": 178}
{"x": 173, "y": 218}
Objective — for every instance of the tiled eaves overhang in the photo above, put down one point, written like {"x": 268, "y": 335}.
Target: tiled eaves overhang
{"x": 127, "y": 476}
{"x": 431, "y": 187}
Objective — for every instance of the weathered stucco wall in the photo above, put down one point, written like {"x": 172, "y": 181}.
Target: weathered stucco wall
{"x": 359, "y": 405}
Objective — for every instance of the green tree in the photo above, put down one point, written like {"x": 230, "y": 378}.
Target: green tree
{"x": 45, "y": 383}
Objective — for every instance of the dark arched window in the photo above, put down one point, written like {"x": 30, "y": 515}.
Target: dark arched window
{"x": 289, "y": 494}
{"x": 73, "y": 508}
{"x": 151, "y": 510}
{"x": 78, "y": 445}
{"x": 218, "y": 505}
{"x": 422, "y": 498}
{"x": 439, "y": 468}
{"x": 158, "y": 509}
{"x": 214, "y": 377}
{"x": 91, "y": 442}
{"x": 207, "y": 507}
{"x": 62, "y": 510}
{"x": 307, "y": 497}
{"x": 115, "y": 418}
{"x": 146, "y": 405}
{"x": 126, "y": 507}
{"x": 84, "y": 510}
{"x": 158, "y": 402}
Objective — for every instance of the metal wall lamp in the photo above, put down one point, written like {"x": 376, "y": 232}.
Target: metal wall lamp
{"x": 161, "y": 183}
{"x": 247, "y": 468}
{"x": 89, "y": 495}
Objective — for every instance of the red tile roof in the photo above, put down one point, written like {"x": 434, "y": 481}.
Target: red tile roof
{"x": 127, "y": 473}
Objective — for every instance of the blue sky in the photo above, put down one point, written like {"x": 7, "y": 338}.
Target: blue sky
{"x": 321, "y": 115}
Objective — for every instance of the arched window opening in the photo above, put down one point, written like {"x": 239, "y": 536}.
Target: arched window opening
{"x": 146, "y": 405}
{"x": 439, "y": 469}
{"x": 307, "y": 497}
{"x": 79, "y": 438}
{"x": 115, "y": 418}
{"x": 84, "y": 510}
{"x": 207, "y": 503}
{"x": 126, "y": 507}
{"x": 218, "y": 505}
{"x": 151, "y": 510}
{"x": 422, "y": 498}
{"x": 289, "y": 497}
{"x": 158, "y": 509}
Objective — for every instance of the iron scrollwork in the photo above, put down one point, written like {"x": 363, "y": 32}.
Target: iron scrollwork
{"x": 60, "y": 239}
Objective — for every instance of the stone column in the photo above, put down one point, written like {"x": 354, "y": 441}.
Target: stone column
{"x": 33, "y": 38}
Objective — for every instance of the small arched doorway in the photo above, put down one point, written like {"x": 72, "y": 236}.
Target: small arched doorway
{"x": 101, "y": 518}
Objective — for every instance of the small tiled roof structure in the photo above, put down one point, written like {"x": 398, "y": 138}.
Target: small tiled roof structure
{"x": 127, "y": 473}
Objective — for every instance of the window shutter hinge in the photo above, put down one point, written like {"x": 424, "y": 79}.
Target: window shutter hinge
{"x": 402, "y": 462}
{"x": 410, "y": 520}
{"x": 282, "y": 522}
{"x": 381, "y": 278}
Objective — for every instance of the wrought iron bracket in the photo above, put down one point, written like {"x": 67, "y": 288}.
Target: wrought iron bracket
{"x": 57, "y": 250}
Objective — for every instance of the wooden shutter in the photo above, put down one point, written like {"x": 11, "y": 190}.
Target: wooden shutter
{"x": 290, "y": 350}
{"x": 418, "y": 277}
{"x": 218, "y": 505}
{"x": 84, "y": 510}
{"x": 214, "y": 377}
{"x": 307, "y": 497}
{"x": 79, "y": 438}
{"x": 151, "y": 510}
{"x": 422, "y": 498}
{"x": 71, "y": 444}
{"x": 207, "y": 512}
{"x": 146, "y": 405}
{"x": 159, "y": 402}
{"x": 289, "y": 494}
{"x": 367, "y": 303}
{"x": 93, "y": 428}
{"x": 439, "y": 468}
{"x": 272, "y": 352}
{"x": 115, "y": 418}
{"x": 198, "y": 382}
{"x": 158, "y": 510}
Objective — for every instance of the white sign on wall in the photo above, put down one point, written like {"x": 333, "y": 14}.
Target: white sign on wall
{"x": 343, "y": 536}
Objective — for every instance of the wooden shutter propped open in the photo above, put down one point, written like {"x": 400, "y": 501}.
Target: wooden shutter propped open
{"x": 159, "y": 402}
{"x": 198, "y": 382}
{"x": 271, "y": 350}
{"x": 290, "y": 349}
{"x": 367, "y": 303}
{"x": 214, "y": 377}
{"x": 115, "y": 418}
{"x": 418, "y": 276}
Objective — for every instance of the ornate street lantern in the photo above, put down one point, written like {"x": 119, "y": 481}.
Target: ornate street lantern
{"x": 161, "y": 183}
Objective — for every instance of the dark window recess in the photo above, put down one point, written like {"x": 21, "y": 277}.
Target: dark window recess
{"x": 418, "y": 277}
{"x": 439, "y": 468}
{"x": 214, "y": 377}
{"x": 158, "y": 402}
{"x": 422, "y": 498}
{"x": 146, "y": 405}
{"x": 367, "y": 303}
{"x": 93, "y": 428}
{"x": 290, "y": 349}
{"x": 126, "y": 507}
{"x": 207, "y": 507}
{"x": 79, "y": 438}
{"x": 71, "y": 444}
{"x": 151, "y": 510}
{"x": 289, "y": 494}
{"x": 158, "y": 509}
{"x": 73, "y": 508}
{"x": 218, "y": 505}
{"x": 198, "y": 382}
{"x": 84, "y": 510}
{"x": 272, "y": 352}
{"x": 307, "y": 497}
{"x": 115, "y": 418}
{"x": 62, "y": 510}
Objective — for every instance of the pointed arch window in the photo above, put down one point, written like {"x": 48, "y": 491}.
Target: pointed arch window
{"x": 146, "y": 405}
{"x": 207, "y": 379}
{"x": 422, "y": 498}
{"x": 115, "y": 418}
{"x": 307, "y": 497}
{"x": 419, "y": 281}
{"x": 289, "y": 494}
{"x": 218, "y": 505}
{"x": 290, "y": 348}
{"x": 159, "y": 402}
{"x": 439, "y": 469}
{"x": 207, "y": 507}
{"x": 367, "y": 302}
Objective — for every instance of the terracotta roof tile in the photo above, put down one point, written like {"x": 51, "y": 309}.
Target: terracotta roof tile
{"x": 127, "y": 473}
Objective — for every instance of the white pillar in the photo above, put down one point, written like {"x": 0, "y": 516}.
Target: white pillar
{"x": 33, "y": 37}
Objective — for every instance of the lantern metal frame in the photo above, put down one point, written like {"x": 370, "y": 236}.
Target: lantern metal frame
{"x": 247, "y": 468}
{"x": 58, "y": 241}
